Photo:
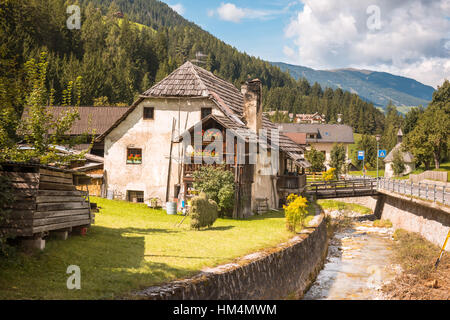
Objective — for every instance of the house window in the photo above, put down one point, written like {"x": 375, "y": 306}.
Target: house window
{"x": 206, "y": 112}
{"x": 134, "y": 156}
{"x": 135, "y": 196}
{"x": 149, "y": 113}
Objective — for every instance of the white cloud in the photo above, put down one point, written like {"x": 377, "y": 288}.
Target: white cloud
{"x": 179, "y": 8}
{"x": 230, "y": 12}
{"x": 411, "y": 41}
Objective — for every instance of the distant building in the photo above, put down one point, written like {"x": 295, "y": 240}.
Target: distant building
{"x": 95, "y": 119}
{"x": 320, "y": 136}
{"x": 310, "y": 118}
{"x": 408, "y": 158}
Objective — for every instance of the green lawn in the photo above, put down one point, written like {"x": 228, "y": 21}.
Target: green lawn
{"x": 337, "y": 205}
{"x": 132, "y": 247}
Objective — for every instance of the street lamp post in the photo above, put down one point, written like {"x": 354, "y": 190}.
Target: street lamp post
{"x": 378, "y": 137}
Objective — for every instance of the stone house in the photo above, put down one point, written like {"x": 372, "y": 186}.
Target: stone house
{"x": 408, "y": 158}
{"x": 145, "y": 156}
{"x": 320, "y": 136}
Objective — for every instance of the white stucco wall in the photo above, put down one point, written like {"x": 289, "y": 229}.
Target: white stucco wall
{"x": 153, "y": 137}
{"x": 389, "y": 172}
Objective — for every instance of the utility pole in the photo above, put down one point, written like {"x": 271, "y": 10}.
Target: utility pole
{"x": 378, "y": 137}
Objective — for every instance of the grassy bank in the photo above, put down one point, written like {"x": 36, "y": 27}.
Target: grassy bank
{"x": 131, "y": 247}
{"x": 343, "y": 206}
{"x": 420, "y": 281}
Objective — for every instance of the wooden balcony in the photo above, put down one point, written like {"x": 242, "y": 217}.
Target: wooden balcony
{"x": 292, "y": 183}
{"x": 189, "y": 169}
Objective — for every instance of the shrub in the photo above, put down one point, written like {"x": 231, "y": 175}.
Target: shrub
{"x": 329, "y": 175}
{"x": 218, "y": 184}
{"x": 382, "y": 224}
{"x": 316, "y": 158}
{"x": 295, "y": 212}
{"x": 398, "y": 165}
{"x": 204, "y": 212}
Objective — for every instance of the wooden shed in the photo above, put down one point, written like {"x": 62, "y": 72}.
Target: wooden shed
{"x": 46, "y": 199}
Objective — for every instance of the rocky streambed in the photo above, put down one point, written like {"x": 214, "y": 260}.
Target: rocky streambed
{"x": 358, "y": 262}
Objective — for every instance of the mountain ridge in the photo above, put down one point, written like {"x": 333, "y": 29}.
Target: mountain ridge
{"x": 377, "y": 87}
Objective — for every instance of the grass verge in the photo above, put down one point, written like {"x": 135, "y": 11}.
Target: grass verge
{"x": 344, "y": 206}
{"x": 419, "y": 281}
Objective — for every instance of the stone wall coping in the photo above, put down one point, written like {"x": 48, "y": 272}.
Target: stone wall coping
{"x": 425, "y": 203}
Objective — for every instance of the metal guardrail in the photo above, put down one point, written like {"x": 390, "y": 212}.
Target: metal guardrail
{"x": 428, "y": 191}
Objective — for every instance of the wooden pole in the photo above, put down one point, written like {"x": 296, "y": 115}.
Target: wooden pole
{"x": 170, "y": 161}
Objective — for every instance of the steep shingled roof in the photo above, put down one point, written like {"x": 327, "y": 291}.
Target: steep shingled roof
{"x": 190, "y": 80}
{"x": 407, "y": 156}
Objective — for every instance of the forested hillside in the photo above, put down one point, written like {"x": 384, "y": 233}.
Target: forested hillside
{"x": 118, "y": 60}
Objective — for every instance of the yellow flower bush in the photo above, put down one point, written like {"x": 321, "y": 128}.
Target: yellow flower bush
{"x": 329, "y": 175}
{"x": 295, "y": 212}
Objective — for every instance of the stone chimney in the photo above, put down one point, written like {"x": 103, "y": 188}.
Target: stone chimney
{"x": 252, "y": 91}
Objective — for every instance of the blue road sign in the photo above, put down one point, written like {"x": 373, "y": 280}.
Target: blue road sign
{"x": 361, "y": 155}
{"x": 382, "y": 153}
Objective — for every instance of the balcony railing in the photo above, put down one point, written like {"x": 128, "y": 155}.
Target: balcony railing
{"x": 291, "y": 182}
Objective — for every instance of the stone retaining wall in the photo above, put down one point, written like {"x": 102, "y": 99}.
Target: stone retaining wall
{"x": 285, "y": 270}
{"x": 430, "y": 220}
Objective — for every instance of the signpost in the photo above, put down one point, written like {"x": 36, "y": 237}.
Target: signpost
{"x": 362, "y": 156}
{"x": 381, "y": 154}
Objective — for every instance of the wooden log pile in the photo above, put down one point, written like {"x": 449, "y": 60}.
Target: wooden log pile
{"x": 46, "y": 200}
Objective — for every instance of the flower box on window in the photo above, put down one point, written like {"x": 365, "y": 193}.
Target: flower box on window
{"x": 134, "y": 156}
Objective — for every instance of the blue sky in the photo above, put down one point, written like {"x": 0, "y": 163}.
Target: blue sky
{"x": 410, "y": 38}
{"x": 261, "y": 34}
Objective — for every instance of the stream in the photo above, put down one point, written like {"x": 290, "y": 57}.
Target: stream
{"x": 357, "y": 265}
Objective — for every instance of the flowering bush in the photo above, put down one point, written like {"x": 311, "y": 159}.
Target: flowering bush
{"x": 295, "y": 212}
{"x": 329, "y": 175}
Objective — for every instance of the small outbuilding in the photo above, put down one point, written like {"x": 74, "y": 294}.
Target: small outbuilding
{"x": 408, "y": 158}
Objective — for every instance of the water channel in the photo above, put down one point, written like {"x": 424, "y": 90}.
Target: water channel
{"x": 359, "y": 262}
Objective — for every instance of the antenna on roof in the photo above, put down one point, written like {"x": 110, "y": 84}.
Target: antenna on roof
{"x": 200, "y": 58}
